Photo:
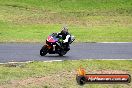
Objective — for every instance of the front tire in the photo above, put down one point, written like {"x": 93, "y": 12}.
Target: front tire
{"x": 44, "y": 50}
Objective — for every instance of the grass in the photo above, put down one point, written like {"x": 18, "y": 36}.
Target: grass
{"x": 58, "y": 74}
{"x": 38, "y": 33}
{"x": 74, "y": 5}
{"x": 88, "y": 20}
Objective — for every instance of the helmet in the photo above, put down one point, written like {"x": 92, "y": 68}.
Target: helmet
{"x": 64, "y": 30}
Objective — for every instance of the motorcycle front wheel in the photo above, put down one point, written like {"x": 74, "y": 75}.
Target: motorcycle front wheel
{"x": 44, "y": 50}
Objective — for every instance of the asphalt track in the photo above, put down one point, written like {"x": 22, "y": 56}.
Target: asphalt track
{"x": 30, "y": 52}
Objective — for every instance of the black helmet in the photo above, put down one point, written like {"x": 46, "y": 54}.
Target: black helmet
{"x": 64, "y": 30}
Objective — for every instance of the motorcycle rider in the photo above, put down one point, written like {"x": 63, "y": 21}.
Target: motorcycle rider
{"x": 66, "y": 37}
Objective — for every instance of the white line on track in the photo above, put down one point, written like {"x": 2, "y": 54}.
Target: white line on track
{"x": 53, "y": 61}
{"x": 59, "y": 61}
{"x": 114, "y": 42}
{"x": 16, "y": 62}
{"x": 107, "y": 59}
{"x": 30, "y": 62}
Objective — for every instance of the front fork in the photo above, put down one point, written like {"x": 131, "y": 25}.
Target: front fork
{"x": 49, "y": 47}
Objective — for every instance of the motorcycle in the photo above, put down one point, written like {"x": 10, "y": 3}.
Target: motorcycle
{"x": 54, "y": 45}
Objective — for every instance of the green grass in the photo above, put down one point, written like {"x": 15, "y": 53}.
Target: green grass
{"x": 38, "y": 33}
{"x": 88, "y": 20}
{"x": 58, "y": 74}
{"x": 74, "y": 5}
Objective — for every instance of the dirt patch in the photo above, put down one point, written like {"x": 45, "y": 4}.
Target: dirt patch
{"x": 55, "y": 80}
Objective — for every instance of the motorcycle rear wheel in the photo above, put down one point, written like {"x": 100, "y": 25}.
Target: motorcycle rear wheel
{"x": 62, "y": 53}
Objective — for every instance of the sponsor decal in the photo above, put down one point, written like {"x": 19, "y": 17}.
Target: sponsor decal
{"x": 83, "y": 78}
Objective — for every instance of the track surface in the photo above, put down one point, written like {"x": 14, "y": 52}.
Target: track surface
{"x": 30, "y": 51}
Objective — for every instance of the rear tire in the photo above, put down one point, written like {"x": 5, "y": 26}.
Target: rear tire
{"x": 44, "y": 50}
{"x": 62, "y": 53}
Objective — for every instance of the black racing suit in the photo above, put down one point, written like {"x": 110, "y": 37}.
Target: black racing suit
{"x": 64, "y": 36}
